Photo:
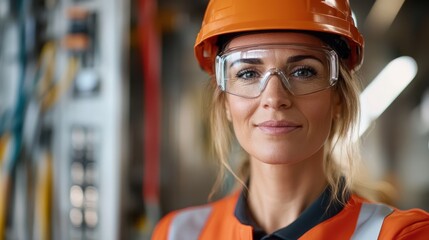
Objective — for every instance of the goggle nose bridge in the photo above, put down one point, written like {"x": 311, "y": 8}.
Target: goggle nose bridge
{"x": 271, "y": 72}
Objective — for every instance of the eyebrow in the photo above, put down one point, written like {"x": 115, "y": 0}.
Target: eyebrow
{"x": 298, "y": 58}
{"x": 258, "y": 61}
{"x": 247, "y": 60}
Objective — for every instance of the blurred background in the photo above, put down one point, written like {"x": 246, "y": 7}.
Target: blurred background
{"x": 102, "y": 112}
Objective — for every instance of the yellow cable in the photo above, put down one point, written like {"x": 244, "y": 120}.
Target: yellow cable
{"x": 4, "y": 139}
{"x": 47, "y": 57}
{"x": 44, "y": 196}
{"x": 4, "y": 187}
{"x": 65, "y": 83}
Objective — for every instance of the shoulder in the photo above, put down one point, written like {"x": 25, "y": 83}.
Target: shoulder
{"x": 394, "y": 223}
{"x": 190, "y": 221}
{"x": 408, "y": 224}
{"x": 362, "y": 219}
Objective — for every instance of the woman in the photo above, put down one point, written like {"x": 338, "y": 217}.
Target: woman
{"x": 284, "y": 83}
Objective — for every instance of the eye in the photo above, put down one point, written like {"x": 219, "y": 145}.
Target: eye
{"x": 247, "y": 74}
{"x": 303, "y": 72}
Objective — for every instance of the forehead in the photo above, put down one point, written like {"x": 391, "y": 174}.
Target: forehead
{"x": 275, "y": 37}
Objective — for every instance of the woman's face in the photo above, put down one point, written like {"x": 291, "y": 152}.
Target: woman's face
{"x": 278, "y": 127}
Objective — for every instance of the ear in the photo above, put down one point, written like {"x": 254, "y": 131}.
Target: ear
{"x": 337, "y": 105}
{"x": 227, "y": 111}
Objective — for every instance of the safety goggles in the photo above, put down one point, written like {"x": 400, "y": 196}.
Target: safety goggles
{"x": 303, "y": 69}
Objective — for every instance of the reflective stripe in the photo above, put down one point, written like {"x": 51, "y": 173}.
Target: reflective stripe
{"x": 188, "y": 224}
{"x": 370, "y": 221}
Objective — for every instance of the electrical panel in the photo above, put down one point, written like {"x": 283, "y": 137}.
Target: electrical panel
{"x": 63, "y": 118}
{"x": 91, "y": 120}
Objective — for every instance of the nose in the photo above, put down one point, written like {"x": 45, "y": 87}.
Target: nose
{"x": 275, "y": 95}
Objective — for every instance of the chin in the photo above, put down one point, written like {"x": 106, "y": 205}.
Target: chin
{"x": 279, "y": 159}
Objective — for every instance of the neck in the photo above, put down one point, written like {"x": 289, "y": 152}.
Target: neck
{"x": 278, "y": 194}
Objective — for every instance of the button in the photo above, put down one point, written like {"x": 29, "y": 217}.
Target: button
{"x": 76, "y": 196}
{"x": 76, "y": 217}
{"x": 91, "y": 217}
{"x": 91, "y": 197}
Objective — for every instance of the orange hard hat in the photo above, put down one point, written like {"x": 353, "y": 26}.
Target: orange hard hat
{"x": 235, "y": 16}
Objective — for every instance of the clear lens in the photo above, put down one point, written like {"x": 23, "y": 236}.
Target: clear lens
{"x": 302, "y": 69}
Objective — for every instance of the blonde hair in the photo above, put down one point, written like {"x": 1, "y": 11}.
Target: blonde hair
{"x": 341, "y": 166}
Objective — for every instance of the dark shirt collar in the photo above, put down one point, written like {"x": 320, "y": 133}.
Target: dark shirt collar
{"x": 320, "y": 210}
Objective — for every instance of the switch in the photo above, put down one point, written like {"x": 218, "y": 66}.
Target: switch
{"x": 87, "y": 83}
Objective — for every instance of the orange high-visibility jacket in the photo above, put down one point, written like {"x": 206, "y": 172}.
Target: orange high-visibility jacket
{"x": 359, "y": 219}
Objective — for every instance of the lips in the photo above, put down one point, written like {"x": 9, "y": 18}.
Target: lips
{"x": 278, "y": 127}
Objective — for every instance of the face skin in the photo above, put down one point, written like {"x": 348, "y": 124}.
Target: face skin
{"x": 257, "y": 121}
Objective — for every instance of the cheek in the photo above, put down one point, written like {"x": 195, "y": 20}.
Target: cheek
{"x": 319, "y": 112}
{"x": 238, "y": 109}
{"x": 241, "y": 112}
{"x": 319, "y": 115}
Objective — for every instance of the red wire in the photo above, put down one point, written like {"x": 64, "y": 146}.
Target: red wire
{"x": 150, "y": 52}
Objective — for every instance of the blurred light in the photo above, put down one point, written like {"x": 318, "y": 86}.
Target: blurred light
{"x": 355, "y": 19}
{"x": 91, "y": 218}
{"x": 87, "y": 81}
{"x": 4, "y": 9}
{"x": 424, "y": 110}
{"x": 383, "y": 90}
{"x": 76, "y": 217}
{"x": 91, "y": 196}
{"x": 76, "y": 196}
{"x": 382, "y": 14}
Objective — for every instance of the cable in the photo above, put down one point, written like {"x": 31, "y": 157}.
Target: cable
{"x": 44, "y": 173}
{"x": 4, "y": 141}
{"x": 59, "y": 89}
{"x": 15, "y": 137}
{"x": 43, "y": 195}
{"x": 150, "y": 52}
{"x": 19, "y": 111}
{"x": 47, "y": 91}
{"x": 48, "y": 94}
{"x": 46, "y": 63}
{"x": 11, "y": 139}
{"x": 4, "y": 189}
